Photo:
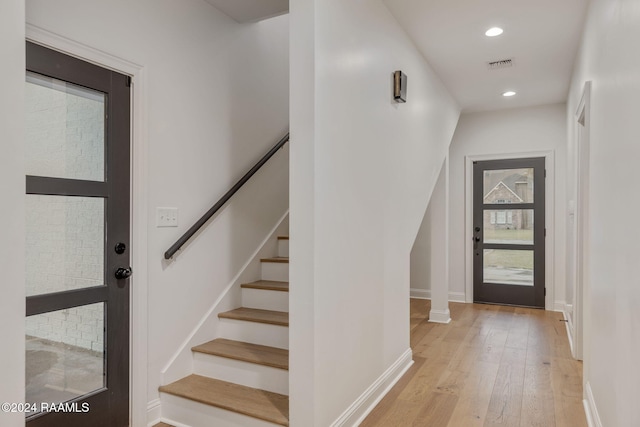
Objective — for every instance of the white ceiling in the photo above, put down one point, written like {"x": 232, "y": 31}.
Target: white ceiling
{"x": 542, "y": 37}
{"x": 251, "y": 10}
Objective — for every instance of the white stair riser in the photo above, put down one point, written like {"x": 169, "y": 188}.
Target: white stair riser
{"x": 243, "y": 373}
{"x": 180, "y": 411}
{"x": 278, "y": 271}
{"x": 283, "y": 248}
{"x": 265, "y": 300}
{"x": 255, "y": 333}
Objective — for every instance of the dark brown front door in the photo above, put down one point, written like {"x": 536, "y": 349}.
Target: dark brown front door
{"x": 509, "y": 232}
{"x": 78, "y": 248}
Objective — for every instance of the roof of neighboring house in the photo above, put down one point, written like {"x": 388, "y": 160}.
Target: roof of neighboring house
{"x": 509, "y": 182}
{"x": 518, "y": 199}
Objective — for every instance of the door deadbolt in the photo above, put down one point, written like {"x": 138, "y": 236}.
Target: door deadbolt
{"x": 123, "y": 273}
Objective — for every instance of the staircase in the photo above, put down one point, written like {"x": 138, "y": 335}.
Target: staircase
{"x": 241, "y": 379}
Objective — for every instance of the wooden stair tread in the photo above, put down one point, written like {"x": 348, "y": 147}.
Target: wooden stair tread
{"x": 267, "y": 285}
{"x": 246, "y": 352}
{"x": 163, "y": 425}
{"x": 261, "y": 404}
{"x": 283, "y": 237}
{"x": 256, "y": 315}
{"x": 278, "y": 259}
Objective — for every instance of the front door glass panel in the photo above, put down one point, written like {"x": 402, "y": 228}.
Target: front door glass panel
{"x": 508, "y": 267}
{"x": 65, "y": 243}
{"x": 65, "y": 129}
{"x": 504, "y": 186}
{"x": 65, "y": 355}
{"x": 513, "y": 226}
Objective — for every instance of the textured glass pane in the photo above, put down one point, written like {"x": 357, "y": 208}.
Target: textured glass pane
{"x": 509, "y": 267}
{"x": 65, "y": 243}
{"x": 64, "y": 129}
{"x": 508, "y": 186}
{"x": 65, "y": 354}
{"x": 508, "y": 226}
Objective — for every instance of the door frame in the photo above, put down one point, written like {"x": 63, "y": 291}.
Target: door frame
{"x": 549, "y": 156}
{"x": 138, "y": 284}
{"x": 582, "y": 120}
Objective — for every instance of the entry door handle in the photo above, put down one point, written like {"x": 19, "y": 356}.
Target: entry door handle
{"x": 475, "y": 242}
{"x": 123, "y": 273}
{"x": 475, "y": 238}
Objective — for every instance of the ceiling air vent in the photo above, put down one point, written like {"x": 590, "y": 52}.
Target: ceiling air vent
{"x": 503, "y": 63}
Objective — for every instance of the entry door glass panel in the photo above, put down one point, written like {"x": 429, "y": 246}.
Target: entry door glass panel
{"x": 508, "y": 267}
{"x": 502, "y": 186}
{"x": 65, "y": 356}
{"x": 65, "y": 129}
{"x": 508, "y": 226}
{"x": 508, "y": 232}
{"x": 65, "y": 243}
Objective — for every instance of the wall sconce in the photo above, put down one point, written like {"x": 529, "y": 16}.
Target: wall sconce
{"x": 399, "y": 86}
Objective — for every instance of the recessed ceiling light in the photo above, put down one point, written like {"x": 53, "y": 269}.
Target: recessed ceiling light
{"x": 509, "y": 93}
{"x": 495, "y": 31}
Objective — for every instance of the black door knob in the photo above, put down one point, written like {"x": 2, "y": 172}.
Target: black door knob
{"x": 123, "y": 273}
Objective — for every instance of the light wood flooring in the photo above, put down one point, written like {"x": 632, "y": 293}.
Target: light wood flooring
{"x": 492, "y": 366}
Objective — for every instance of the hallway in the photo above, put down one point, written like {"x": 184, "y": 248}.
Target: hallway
{"x": 492, "y": 366}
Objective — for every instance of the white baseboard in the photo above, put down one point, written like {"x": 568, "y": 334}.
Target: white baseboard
{"x": 154, "y": 412}
{"x": 426, "y": 294}
{"x": 359, "y": 409}
{"x": 457, "y": 297}
{"x": 590, "y": 409}
{"x": 440, "y": 316}
{"x": 420, "y": 293}
{"x": 569, "y": 327}
{"x": 167, "y": 421}
{"x": 560, "y": 306}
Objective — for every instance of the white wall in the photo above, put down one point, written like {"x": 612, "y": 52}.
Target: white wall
{"x": 420, "y": 278}
{"x": 12, "y": 187}
{"x": 432, "y": 266}
{"x": 520, "y": 130}
{"x": 369, "y": 167}
{"x": 217, "y": 100}
{"x": 609, "y": 58}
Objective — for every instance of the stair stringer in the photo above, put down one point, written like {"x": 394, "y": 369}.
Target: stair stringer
{"x": 182, "y": 362}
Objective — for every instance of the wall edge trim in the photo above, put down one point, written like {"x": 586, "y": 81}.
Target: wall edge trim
{"x": 590, "y": 408}
{"x": 569, "y": 326}
{"x": 154, "y": 412}
{"x": 426, "y": 294}
{"x": 367, "y": 401}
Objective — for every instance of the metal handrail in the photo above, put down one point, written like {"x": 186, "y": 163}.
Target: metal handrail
{"x": 224, "y": 199}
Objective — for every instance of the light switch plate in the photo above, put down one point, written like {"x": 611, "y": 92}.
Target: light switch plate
{"x": 166, "y": 217}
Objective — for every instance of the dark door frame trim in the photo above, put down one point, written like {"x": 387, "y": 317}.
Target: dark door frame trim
{"x": 139, "y": 410}
{"x": 492, "y": 292}
{"x": 550, "y": 212}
